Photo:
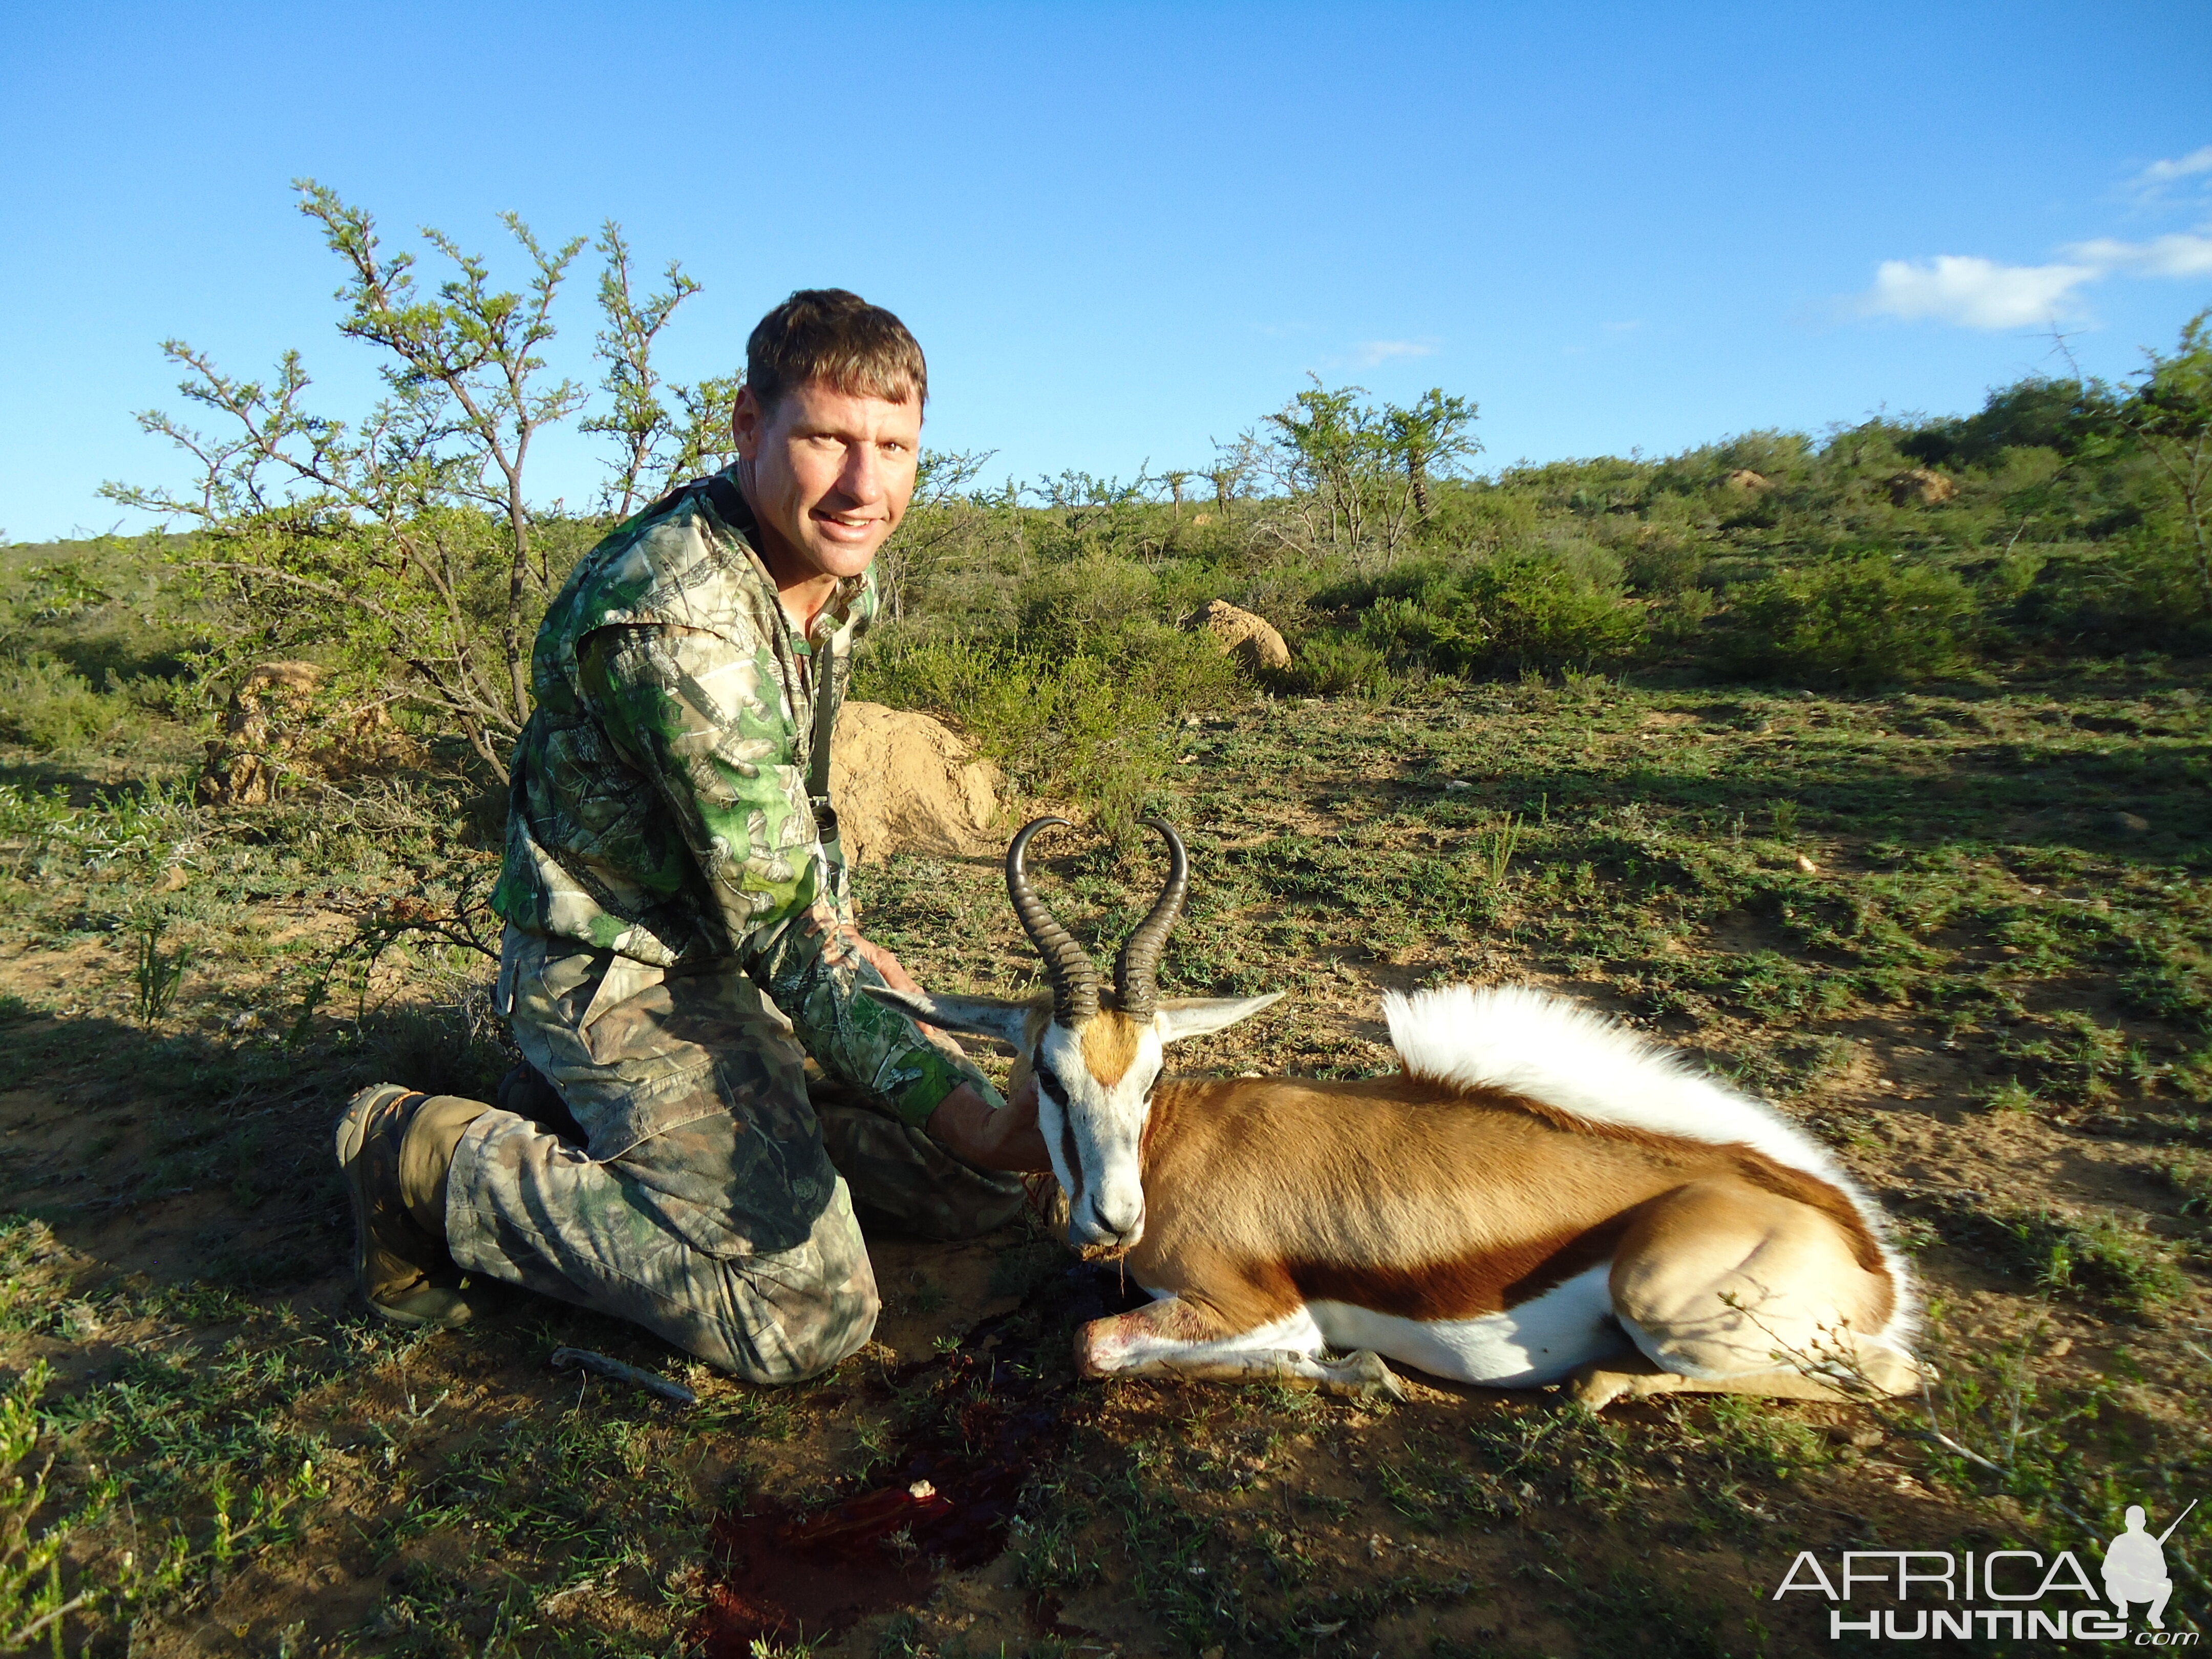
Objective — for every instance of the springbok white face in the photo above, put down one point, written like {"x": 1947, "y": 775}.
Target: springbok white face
{"x": 1095, "y": 1058}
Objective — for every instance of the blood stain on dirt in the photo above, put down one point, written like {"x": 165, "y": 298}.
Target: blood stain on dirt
{"x": 1001, "y": 1409}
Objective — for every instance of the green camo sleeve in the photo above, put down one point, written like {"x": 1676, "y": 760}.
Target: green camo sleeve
{"x": 706, "y": 722}
{"x": 815, "y": 977}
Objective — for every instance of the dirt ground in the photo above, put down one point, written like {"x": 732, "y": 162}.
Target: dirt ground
{"x": 1919, "y": 924}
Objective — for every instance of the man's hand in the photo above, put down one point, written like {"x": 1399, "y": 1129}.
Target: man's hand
{"x": 965, "y": 1125}
{"x": 883, "y": 961}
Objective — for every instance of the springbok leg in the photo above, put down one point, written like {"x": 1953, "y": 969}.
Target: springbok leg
{"x": 1728, "y": 1288}
{"x": 1173, "y": 1338}
{"x": 1634, "y": 1377}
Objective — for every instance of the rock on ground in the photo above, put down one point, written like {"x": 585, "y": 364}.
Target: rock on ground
{"x": 902, "y": 782}
{"x": 281, "y": 724}
{"x": 1240, "y": 634}
{"x": 1922, "y": 485}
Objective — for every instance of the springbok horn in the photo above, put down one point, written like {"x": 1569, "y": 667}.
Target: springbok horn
{"x": 1074, "y": 976}
{"x": 1136, "y": 970}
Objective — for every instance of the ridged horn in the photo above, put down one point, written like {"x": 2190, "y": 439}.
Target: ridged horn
{"x": 1074, "y": 976}
{"x": 1136, "y": 970}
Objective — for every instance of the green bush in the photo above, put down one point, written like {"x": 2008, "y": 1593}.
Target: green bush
{"x": 1068, "y": 604}
{"x": 1329, "y": 665}
{"x": 2139, "y": 595}
{"x": 46, "y": 706}
{"x": 1860, "y": 620}
{"x": 1663, "y": 563}
{"x": 1095, "y": 725}
{"x": 1504, "y": 613}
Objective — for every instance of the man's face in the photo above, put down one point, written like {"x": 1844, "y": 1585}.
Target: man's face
{"x": 829, "y": 475}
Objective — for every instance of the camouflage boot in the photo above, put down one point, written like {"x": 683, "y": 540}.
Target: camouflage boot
{"x": 401, "y": 1263}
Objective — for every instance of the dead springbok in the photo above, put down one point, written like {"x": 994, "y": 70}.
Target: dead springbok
{"x": 1538, "y": 1196}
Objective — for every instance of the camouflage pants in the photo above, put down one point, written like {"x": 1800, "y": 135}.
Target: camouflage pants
{"x": 711, "y": 1201}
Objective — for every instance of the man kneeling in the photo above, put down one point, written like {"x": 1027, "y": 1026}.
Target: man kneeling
{"x": 680, "y": 935}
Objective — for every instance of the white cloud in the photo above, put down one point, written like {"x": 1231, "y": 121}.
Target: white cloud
{"x": 1973, "y": 292}
{"x": 2165, "y": 172}
{"x": 2178, "y": 255}
{"x": 1368, "y": 353}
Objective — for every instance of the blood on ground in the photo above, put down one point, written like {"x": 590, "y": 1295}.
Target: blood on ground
{"x": 998, "y": 1410}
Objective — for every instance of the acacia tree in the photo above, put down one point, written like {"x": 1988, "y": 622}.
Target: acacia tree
{"x": 1356, "y": 477}
{"x": 1227, "y": 476}
{"x": 321, "y": 532}
{"x": 408, "y": 538}
{"x": 476, "y": 351}
{"x": 638, "y": 422}
{"x": 655, "y": 446}
{"x": 1324, "y": 451}
{"x": 702, "y": 441}
{"x": 1430, "y": 440}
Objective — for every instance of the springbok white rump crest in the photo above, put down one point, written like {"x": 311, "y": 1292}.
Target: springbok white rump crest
{"x": 1522, "y": 1041}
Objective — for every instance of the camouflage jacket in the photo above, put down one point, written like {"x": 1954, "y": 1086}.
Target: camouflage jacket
{"x": 670, "y": 793}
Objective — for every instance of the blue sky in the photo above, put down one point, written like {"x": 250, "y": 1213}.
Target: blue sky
{"x": 1123, "y": 231}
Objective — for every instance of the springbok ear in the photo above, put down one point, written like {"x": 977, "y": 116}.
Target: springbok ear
{"x": 1190, "y": 1017}
{"x": 978, "y": 1016}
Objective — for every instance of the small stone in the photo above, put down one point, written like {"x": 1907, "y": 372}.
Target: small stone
{"x": 1453, "y": 786}
{"x": 2129, "y": 823}
{"x": 1807, "y": 865}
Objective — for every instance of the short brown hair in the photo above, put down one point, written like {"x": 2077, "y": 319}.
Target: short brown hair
{"x": 836, "y": 337}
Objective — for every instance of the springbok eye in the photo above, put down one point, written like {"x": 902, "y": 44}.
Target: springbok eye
{"x": 1048, "y": 1080}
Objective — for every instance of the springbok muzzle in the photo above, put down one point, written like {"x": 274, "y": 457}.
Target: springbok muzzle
{"x": 1108, "y": 1230}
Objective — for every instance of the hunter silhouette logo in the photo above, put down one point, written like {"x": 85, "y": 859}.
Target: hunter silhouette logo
{"x": 2013, "y": 1593}
{"x": 2134, "y": 1566}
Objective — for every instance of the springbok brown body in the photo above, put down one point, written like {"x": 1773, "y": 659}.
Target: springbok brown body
{"x": 1538, "y": 1196}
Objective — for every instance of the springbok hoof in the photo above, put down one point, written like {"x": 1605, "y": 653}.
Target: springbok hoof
{"x": 1362, "y": 1376}
{"x": 1595, "y": 1389}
